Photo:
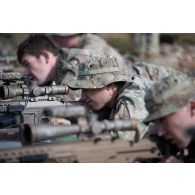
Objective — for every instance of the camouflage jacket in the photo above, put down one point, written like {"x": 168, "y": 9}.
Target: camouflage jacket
{"x": 66, "y": 70}
{"x": 146, "y": 70}
{"x": 130, "y": 104}
{"x": 99, "y": 45}
{"x": 152, "y": 71}
{"x": 67, "y": 65}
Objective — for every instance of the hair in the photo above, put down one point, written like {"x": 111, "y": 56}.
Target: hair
{"x": 119, "y": 84}
{"x": 35, "y": 44}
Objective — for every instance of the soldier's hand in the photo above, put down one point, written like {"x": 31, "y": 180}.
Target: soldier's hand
{"x": 60, "y": 121}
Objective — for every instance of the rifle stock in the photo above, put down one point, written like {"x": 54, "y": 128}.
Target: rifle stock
{"x": 103, "y": 151}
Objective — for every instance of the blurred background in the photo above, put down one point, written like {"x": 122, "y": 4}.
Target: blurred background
{"x": 175, "y": 50}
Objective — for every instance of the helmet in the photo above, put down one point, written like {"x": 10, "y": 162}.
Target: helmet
{"x": 168, "y": 96}
{"x": 99, "y": 71}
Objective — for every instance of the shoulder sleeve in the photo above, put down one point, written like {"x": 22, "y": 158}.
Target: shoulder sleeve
{"x": 130, "y": 104}
{"x": 152, "y": 71}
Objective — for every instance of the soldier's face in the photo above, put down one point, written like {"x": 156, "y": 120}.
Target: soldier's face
{"x": 36, "y": 67}
{"x": 173, "y": 127}
{"x": 96, "y": 98}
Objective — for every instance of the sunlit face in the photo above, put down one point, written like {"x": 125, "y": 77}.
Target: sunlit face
{"x": 97, "y": 98}
{"x": 173, "y": 127}
{"x": 36, "y": 67}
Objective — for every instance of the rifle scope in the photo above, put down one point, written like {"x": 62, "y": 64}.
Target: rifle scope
{"x": 9, "y": 91}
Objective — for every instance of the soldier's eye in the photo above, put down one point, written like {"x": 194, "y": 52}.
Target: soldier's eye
{"x": 25, "y": 64}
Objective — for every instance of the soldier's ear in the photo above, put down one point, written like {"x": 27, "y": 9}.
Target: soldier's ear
{"x": 111, "y": 88}
{"x": 46, "y": 55}
{"x": 192, "y": 107}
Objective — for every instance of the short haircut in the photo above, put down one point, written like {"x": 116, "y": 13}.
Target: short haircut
{"x": 35, "y": 44}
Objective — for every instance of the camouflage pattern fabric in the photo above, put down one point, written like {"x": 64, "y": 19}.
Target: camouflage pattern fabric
{"x": 168, "y": 95}
{"x": 152, "y": 71}
{"x": 100, "y": 71}
{"x": 99, "y": 45}
{"x": 149, "y": 71}
{"x": 66, "y": 70}
{"x": 68, "y": 63}
{"x": 89, "y": 42}
{"x": 67, "y": 66}
{"x": 130, "y": 104}
{"x": 95, "y": 44}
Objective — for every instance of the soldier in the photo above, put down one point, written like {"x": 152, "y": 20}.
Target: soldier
{"x": 66, "y": 40}
{"x": 46, "y": 62}
{"x": 171, "y": 106}
{"x": 152, "y": 71}
{"x": 109, "y": 90}
{"x": 93, "y": 42}
{"x": 86, "y": 41}
{"x": 40, "y": 58}
{"x": 40, "y": 44}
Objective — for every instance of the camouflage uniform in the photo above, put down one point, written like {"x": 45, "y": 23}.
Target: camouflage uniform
{"x": 99, "y": 45}
{"x": 95, "y": 44}
{"x": 130, "y": 104}
{"x": 166, "y": 97}
{"x": 92, "y": 43}
{"x": 67, "y": 63}
{"x": 67, "y": 70}
{"x": 67, "y": 67}
{"x": 152, "y": 71}
{"x": 147, "y": 70}
{"x": 100, "y": 71}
